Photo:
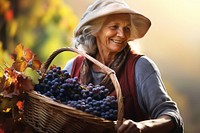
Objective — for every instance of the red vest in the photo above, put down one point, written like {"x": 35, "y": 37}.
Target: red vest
{"x": 127, "y": 82}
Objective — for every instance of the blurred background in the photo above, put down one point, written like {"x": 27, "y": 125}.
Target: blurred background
{"x": 173, "y": 40}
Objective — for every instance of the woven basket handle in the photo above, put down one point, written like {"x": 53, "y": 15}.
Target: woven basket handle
{"x": 106, "y": 69}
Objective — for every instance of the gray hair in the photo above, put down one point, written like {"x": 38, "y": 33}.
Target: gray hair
{"x": 85, "y": 39}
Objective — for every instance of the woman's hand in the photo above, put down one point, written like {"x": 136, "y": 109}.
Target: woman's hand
{"x": 129, "y": 126}
{"x": 163, "y": 123}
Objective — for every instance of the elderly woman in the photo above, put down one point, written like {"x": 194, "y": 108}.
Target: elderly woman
{"x": 104, "y": 32}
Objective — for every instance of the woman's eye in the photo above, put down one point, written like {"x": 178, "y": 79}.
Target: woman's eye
{"x": 127, "y": 29}
{"x": 114, "y": 27}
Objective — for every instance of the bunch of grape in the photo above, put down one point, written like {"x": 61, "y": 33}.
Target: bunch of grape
{"x": 93, "y": 99}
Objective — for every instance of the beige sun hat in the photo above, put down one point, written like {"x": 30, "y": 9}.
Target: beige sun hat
{"x": 107, "y": 7}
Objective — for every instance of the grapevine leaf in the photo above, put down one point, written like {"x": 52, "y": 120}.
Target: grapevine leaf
{"x": 17, "y": 78}
{"x": 25, "y": 58}
{"x": 33, "y": 74}
{"x": 28, "y": 54}
{"x": 35, "y": 64}
{"x": 20, "y": 62}
{"x": 18, "y": 53}
{"x": 6, "y": 81}
{"x": 20, "y": 65}
{"x": 24, "y": 84}
{"x": 32, "y": 60}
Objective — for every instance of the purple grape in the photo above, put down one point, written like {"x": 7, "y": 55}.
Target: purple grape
{"x": 93, "y": 99}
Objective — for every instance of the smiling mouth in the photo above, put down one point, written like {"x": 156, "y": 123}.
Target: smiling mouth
{"x": 117, "y": 41}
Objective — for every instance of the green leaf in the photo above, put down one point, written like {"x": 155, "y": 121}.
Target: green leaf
{"x": 33, "y": 74}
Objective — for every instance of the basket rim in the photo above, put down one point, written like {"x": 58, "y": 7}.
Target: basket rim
{"x": 70, "y": 111}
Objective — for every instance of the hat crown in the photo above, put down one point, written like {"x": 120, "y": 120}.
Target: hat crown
{"x": 101, "y": 4}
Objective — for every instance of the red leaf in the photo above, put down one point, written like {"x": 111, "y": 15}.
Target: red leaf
{"x": 36, "y": 64}
{"x": 20, "y": 105}
{"x": 20, "y": 65}
{"x": 8, "y": 81}
{"x": 28, "y": 54}
{"x": 24, "y": 84}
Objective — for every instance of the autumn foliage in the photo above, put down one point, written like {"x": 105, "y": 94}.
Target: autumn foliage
{"x": 20, "y": 77}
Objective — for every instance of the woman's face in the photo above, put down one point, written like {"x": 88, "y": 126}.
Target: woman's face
{"x": 114, "y": 34}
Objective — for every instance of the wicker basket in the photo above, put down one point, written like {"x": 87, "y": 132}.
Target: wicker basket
{"x": 46, "y": 115}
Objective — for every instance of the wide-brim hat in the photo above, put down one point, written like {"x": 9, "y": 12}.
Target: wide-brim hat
{"x": 102, "y": 8}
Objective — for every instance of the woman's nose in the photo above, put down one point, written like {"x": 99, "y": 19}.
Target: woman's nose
{"x": 121, "y": 33}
